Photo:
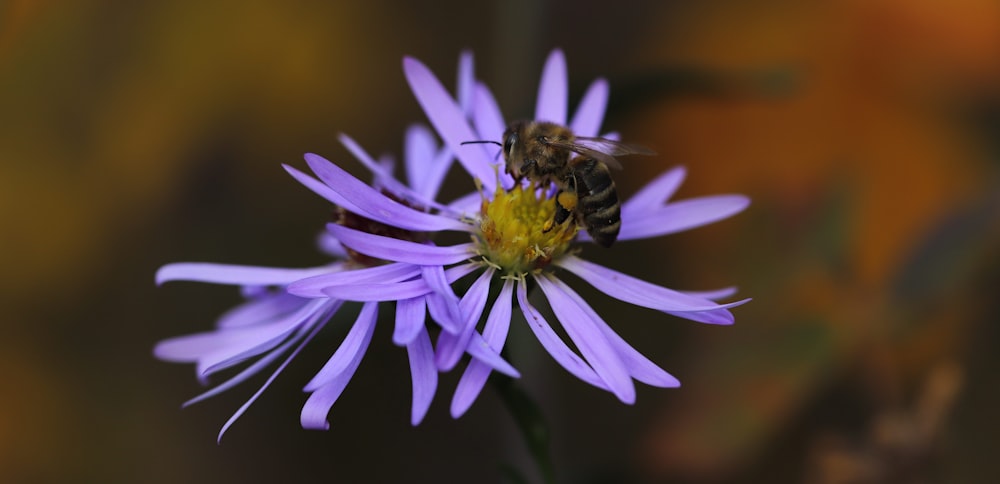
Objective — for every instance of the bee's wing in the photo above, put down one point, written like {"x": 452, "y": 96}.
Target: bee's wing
{"x": 602, "y": 149}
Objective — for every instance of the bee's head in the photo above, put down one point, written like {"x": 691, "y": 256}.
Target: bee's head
{"x": 513, "y": 149}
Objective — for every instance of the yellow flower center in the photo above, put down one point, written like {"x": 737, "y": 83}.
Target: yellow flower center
{"x": 512, "y": 230}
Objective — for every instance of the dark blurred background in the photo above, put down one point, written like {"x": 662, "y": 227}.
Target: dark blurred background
{"x": 867, "y": 133}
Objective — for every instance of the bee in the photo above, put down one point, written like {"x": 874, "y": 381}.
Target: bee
{"x": 546, "y": 153}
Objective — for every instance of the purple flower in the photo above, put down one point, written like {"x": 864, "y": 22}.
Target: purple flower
{"x": 510, "y": 246}
{"x": 273, "y": 324}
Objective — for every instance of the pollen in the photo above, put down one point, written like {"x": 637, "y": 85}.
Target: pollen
{"x": 516, "y": 232}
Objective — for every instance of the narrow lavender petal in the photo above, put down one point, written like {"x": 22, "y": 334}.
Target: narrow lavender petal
{"x": 636, "y": 291}
{"x": 388, "y": 273}
{"x": 329, "y": 245}
{"x": 487, "y": 116}
{"x": 438, "y": 308}
{"x": 379, "y": 292}
{"x": 495, "y": 335}
{"x": 419, "y": 147}
{"x": 465, "y": 82}
{"x": 260, "y": 310}
{"x": 306, "y": 332}
{"x": 212, "y": 346}
{"x": 481, "y": 351}
{"x": 554, "y": 344}
{"x": 589, "y": 115}
{"x": 375, "y": 205}
{"x": 317, "y": 406}
{"x": 444, "y": 303}
{"x": 451, "y": 346}
{"x": 410, "y": 317}
{"x": 243, "y": 408}
{"x": 449, "y": 120}
{"x": 235, "y": 274}
{"x": 383, "y": 175}
{"x": 361, "y": 155}
{"x": 355, "y": 341}
{"x": 244, "y": 374}
{"x": 237, "y": 345}
{"x": 639, "y": 367}
{"x": 468, "y": 204}
{"x": 553, "y": 90}
{"x": 681, "y": 216}
{"x": 436, "y": 173}
{"x": 590, "y": 340}
{"x": 323, "y": 190}
{"x": 713, "y": 295}
{"x": 655, "y": 193}
{"x": 422, "y": 373}
{"x": 398, "y": 250}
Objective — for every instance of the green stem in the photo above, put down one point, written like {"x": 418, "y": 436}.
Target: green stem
{"x": 530, "y": 422}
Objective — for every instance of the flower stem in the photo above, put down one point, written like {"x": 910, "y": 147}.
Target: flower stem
{"x": 530, "y": 422}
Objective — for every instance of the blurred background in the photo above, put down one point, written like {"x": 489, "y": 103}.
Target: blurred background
{"x": 867, "y": 133}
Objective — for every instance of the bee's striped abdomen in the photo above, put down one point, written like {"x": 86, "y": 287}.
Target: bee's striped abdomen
{"x": 598, "y": 204}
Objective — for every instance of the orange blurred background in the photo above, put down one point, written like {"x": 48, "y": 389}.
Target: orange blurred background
{"x": 867, "y": 133}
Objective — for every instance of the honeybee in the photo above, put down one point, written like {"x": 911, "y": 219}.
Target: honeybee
{"x": 546, "y": 152}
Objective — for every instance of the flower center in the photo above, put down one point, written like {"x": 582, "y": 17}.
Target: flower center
{"x": 512, "y": 230}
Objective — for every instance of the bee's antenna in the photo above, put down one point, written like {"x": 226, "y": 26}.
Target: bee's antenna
{"x": 479, "y": 142}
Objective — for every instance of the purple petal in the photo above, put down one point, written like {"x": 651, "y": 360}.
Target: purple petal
{"x": 451, "y": 346}
{"x": 381, "y": 172}
{"x": 426, "y": 165}
{"x": 682, "y": 215}
{"x": 236, "y": 274}
{"x": 234, "y": 346}
{"x": 639, "y": 367}
{"x": 395, "y": 291}
{"x": 388, "y": 273}
{"x": 398, "y": 250}
{"x": 655, "y": 193}
{"x": 323, "y": 190}
{"x": 466, "y": 79}
{"x": 468, "y": 205}
{"x": 554, "y": 344}
{"x": 487, "y": 116}
{"x": 243, "y": 408}
{"x": 318, "y": 404}
{"x": 641, "y": 293}
{"x": 590, "y": 340}
{"x": 329, "y": 245}
{"x": 481, "y": 351}
{"x": 713, "y": 295}
{"x": 443, "y": 303}
{"x": 436, "y": 173}
{"x": 553, "y": 90}
{"x": 352, "y": 343}
{"x": 423, "y": 374}
{"x": 495, "y": 334}
{"x": 449, "y": 120}
{"x": 379, "y": 292}
{"x": 375, "y": 205}
{"x": 260, "y": 310}
{"x": 590, "y": 113}
{"x": 420, "y": 148}
{"x": 213, "y": 347}
{"x": 244, "y": 374}
{"x": 271, "y": 356}
{"x": 410, "y": 317}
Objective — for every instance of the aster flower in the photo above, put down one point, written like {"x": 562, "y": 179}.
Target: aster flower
{"x": 273, "y": 323}
{"x": 511, "y": 246}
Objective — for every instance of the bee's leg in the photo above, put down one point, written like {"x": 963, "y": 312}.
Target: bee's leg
{"x": 565, "y": 204}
